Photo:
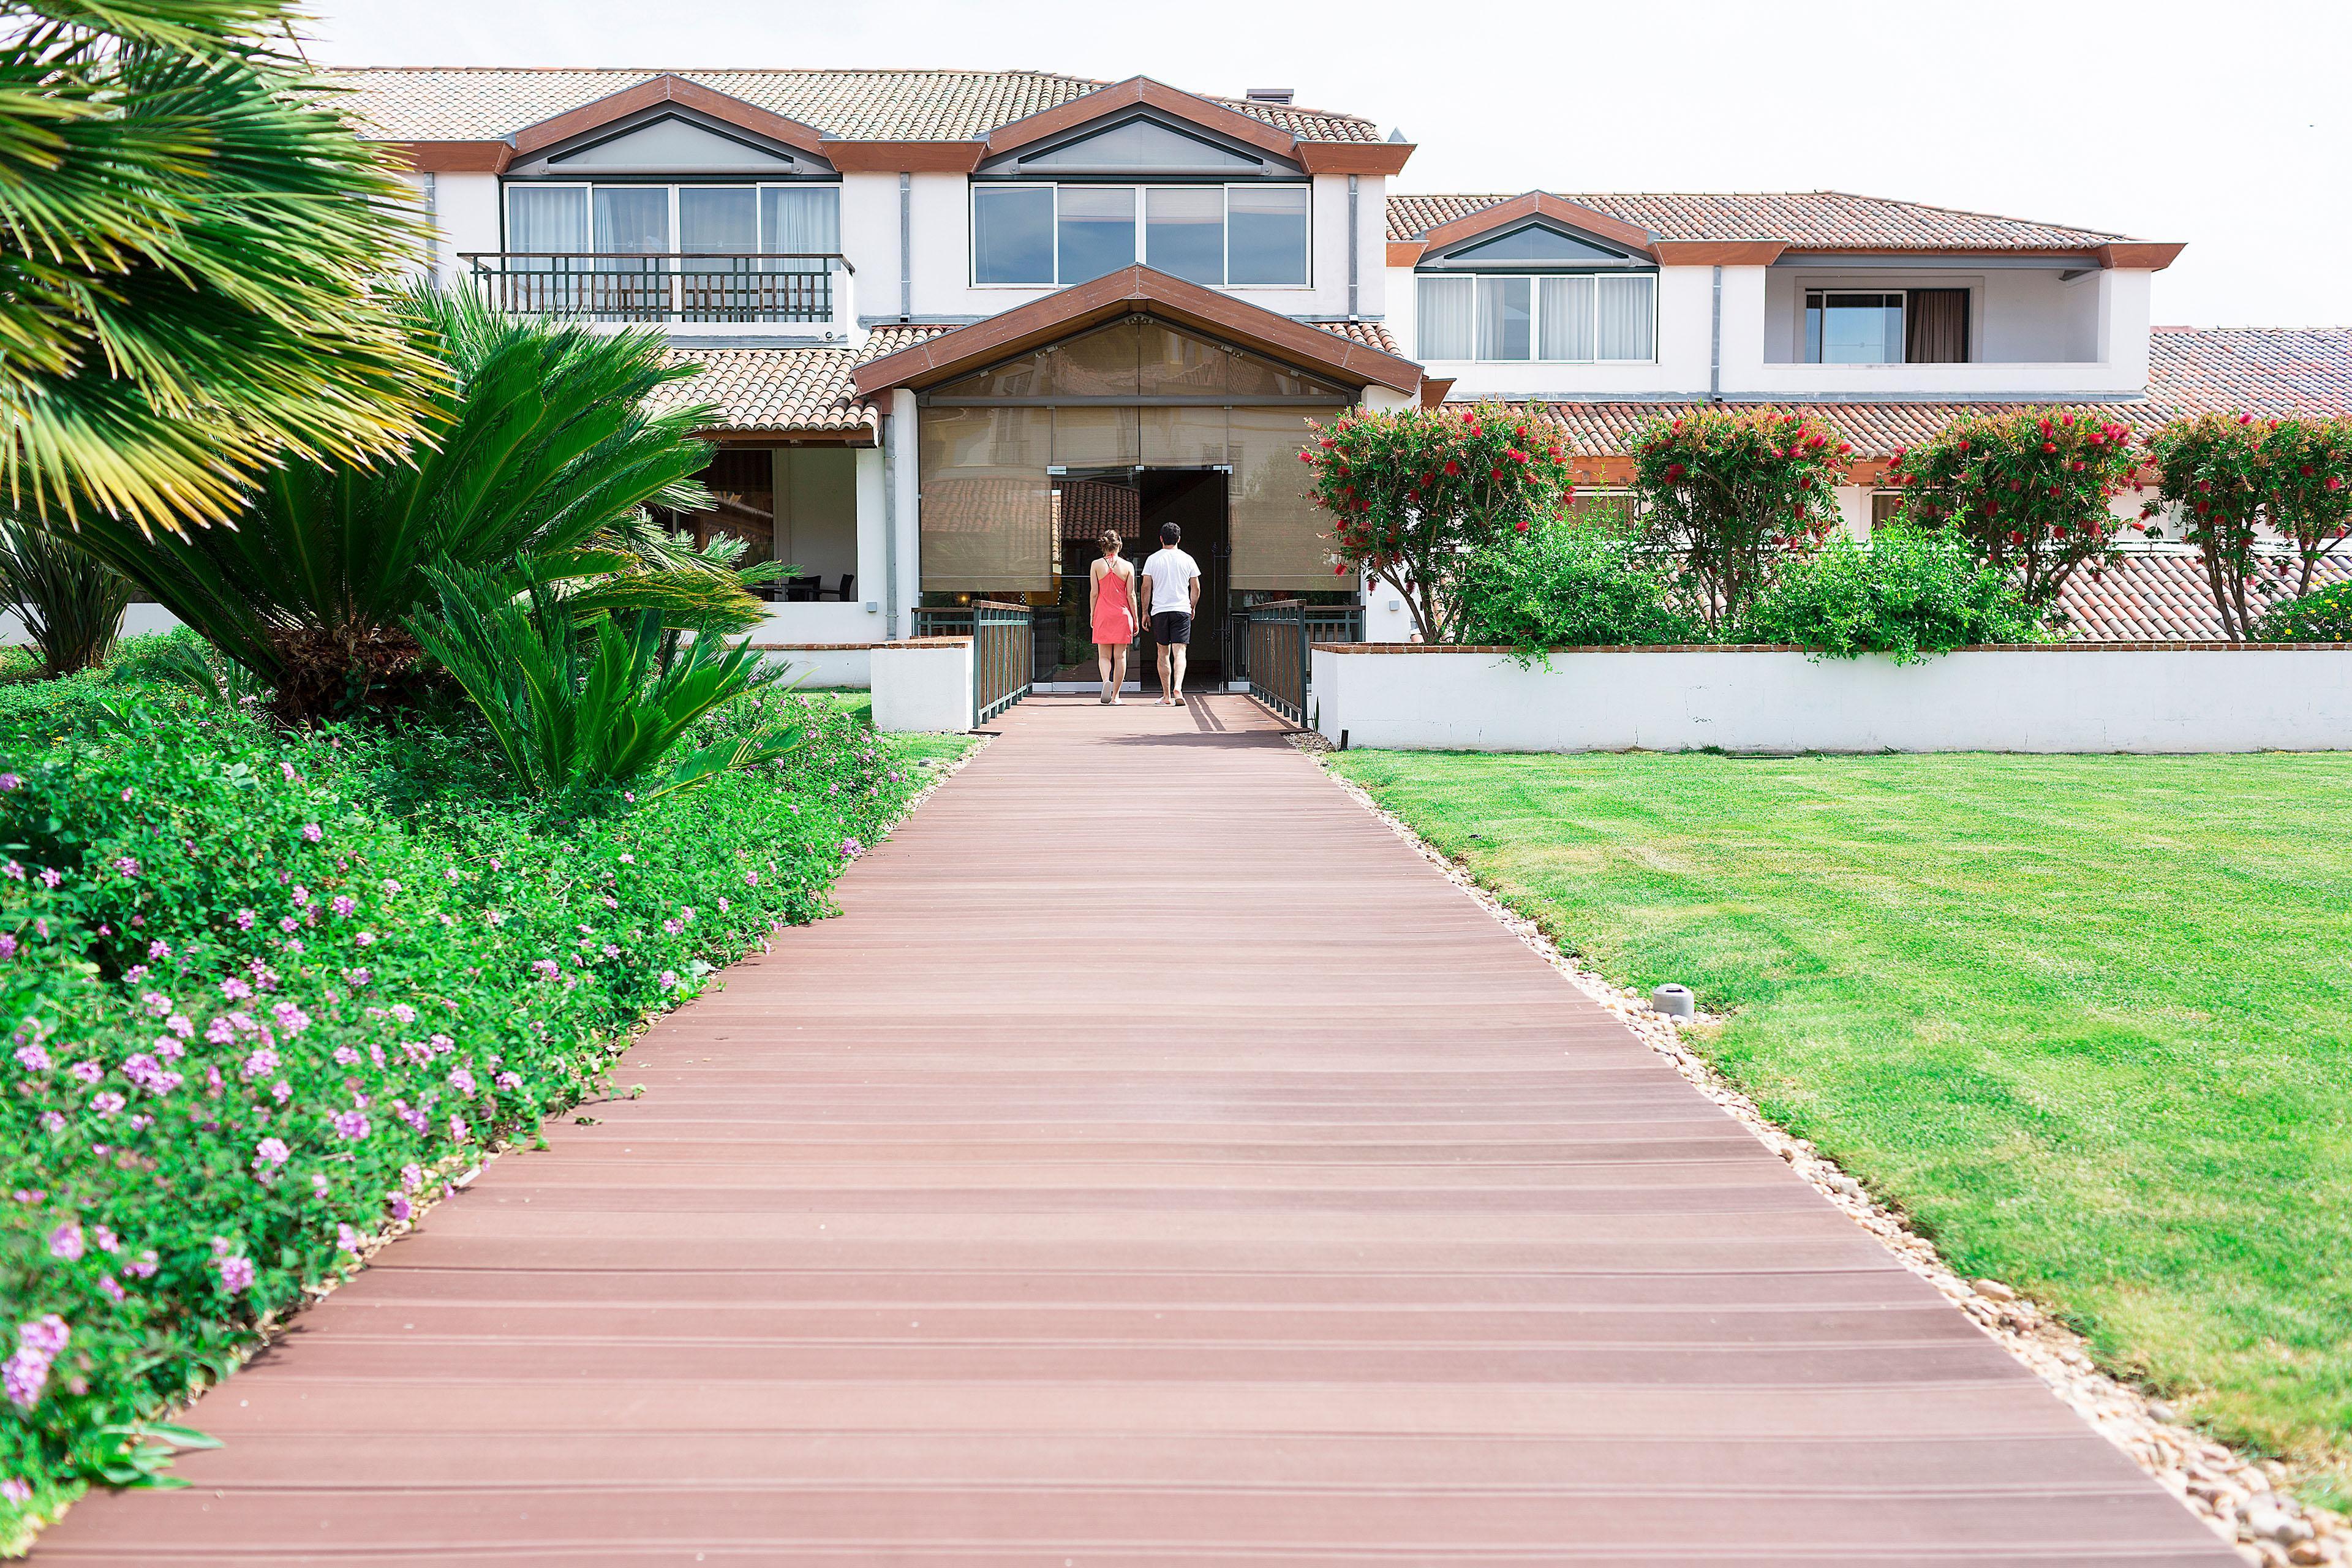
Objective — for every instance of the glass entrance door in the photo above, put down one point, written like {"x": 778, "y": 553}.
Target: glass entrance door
{"x": 1136, "y": 501}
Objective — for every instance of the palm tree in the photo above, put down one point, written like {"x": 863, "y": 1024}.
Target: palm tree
{"x": 190, "y": 242}
{"x": 540, "y": 461}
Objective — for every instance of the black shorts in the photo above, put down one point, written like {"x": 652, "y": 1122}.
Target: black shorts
{"x": 1171, "y": 626}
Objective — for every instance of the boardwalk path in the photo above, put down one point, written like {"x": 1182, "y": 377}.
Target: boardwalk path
{"x": 975, "y": 1227}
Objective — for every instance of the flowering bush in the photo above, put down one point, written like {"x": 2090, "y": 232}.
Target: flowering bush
{"x": 1730, "y": 492}
{"x": 2027, "y": 491}
{"x": 2325, "y": 615}
{"x": 266, "y": 993}
{"x": 2311, "y": 487}
{"x": 1908, "y": 594}
{"x": 2214, "y": 474}
{"x": 1414, "y": 492}
{"x": 1562, "y": 584}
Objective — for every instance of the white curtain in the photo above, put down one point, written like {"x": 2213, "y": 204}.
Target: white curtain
{"x": 1564, "y": 318}
{"x": 1443, "y": 311}
{"x": 723, "y": 220}
{"x": 1504, "y": 316}
{"x": 546, "y": 219}
{"x": 632, "y": 220}
{"x": 804, "y": 218}
{"x": 1628, "y": 318}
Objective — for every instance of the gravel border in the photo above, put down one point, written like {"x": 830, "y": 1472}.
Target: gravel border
{"x": 2238, "y": 1496}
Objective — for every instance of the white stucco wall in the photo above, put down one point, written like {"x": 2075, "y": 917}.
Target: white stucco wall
{"x": 1685, "y": 324}
{"x": 138, "y": 620}
{"x": 923, "y": 686}
{"x": 465, "y": 212}
{"x": 2074, "y": 699}
{"x": 823, "y": 669}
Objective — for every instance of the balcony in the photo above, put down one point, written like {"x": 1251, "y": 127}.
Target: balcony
{"x": 762, "y": 293}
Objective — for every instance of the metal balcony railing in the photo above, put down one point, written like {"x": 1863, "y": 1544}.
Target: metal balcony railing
{"x": 696, "y": 286}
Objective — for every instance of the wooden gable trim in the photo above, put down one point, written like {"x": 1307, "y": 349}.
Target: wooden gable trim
{"x": 1717, "y": 252}
{"x": 904, "y": 157}
{"x": 1535, "y": 204}
{"x": 1354, "y": 157}
{"x": 453, "y": 157}
{"x": 1128, "y": 290}
{"x": 667, "y": 88}
{"x": 1143, "y": 92}
{"x": 2153, "y": 255}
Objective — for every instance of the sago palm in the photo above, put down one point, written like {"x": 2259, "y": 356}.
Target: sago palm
{"x": 69, "y": 603}
{"x": 542, "y": 448}
{"x": 191, "y": 242}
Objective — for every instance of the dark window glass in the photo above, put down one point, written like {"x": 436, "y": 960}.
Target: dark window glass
{"x": 1534, "y": 244}
{"x": 1012, "y": 234}
{"x": 1268, "y": 229}
{"x": 1098, "y": 230}
{"x": 1854, "y": 329}
{"x": 1185, "y": 232}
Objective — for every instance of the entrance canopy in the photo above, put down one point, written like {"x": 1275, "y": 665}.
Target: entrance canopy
{"x": 1134, "y": 394}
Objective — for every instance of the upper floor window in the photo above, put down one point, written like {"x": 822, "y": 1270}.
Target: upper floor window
{"x": 1572, "y": 317}
{"x": 1229, "y": 237}
{"x": 554, "y": 220}
{"x": 1887, "y": 326}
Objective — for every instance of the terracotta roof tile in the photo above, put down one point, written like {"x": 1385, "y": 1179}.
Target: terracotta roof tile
{"x": 1812, "y": 220}
{"x": 2160, "y": 596}
{"x": 1370, "y": 333}
{"x": 2251, "y": 370}
{"x": 771, "y": 391}
{"x": 487, "y": 103}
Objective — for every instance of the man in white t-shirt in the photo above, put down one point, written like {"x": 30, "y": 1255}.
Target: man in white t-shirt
{"x": 1174, "y": 579}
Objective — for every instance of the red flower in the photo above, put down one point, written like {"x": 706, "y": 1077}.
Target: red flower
{"x": 1306, "y": 457}
{"x": 2049, "y": 446}
{"x": 1674, "y": 470}
{"x": 1452, "y": 467}
{"x": 1521, "y": 525}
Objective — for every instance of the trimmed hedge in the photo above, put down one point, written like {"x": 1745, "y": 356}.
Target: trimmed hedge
{"x": 266, "y": 993}
{"x": 1911, "y": 594}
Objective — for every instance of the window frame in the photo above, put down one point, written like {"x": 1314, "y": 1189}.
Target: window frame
{"x": 760, "y": 207}
{"x": 1812, "y": 348}
{"x": 1535, "y": 312}
{"x": 1142, "y": 189}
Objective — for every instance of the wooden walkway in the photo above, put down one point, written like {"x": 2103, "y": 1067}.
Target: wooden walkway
{"x": 976, "y": 1226}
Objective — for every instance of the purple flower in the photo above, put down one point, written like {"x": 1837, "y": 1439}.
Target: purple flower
{"x": 107, "y": 1240}
{"x": 245, "y": 920}
{"x": 343, "y": 904}
{"x": 109, "y": 1290}
{"x": 545, "y": 968}
{"x": 9, "y": 781}
{"x": 13, "y": 1489}
{"x": 401, "y": 1208}
{"x": 53, "y": 1121}
{"x": 851, "y": 848}
{"x": 33, "y": 1059}
{"x": 462, "y": 1082}
{"x": 158, "y": 948}
{"x": 751, "y": 878}
{"x": 669, "y": 979}
{"x": 87, "y": 1072}
{"x": 508, "y": 1080}
{"x": 351, "y": 1123}
{"x": 270, "y": 1151}
{"x": 411, "y": 1176}
{"x": 47, "y": 1338}
{"x": 50, "y": 878}
{"x": 149, "y": 1074}
{"x": 458, "y": 1130}
{"x": 348, "y": 1239}
{"x": 127, "y": 864}
{"x": 358, "y": 976}
{"x": 181, "y": 1025}
{"x": 403, "y": 1012}
{"x": 106, "y": 1102}
{"x": 235, "y": 990}
{"x": 290, "y": 1018}
{"x": 235, "y": 1273}
{"x": 260, "y": 1063}
{"x": 25, "y": 1374}
{"x": 64, "y": 1242}
{"x": 312, "y": 833}
{"x": 7, "y": 947}
{"x": 144, "y": 1268}
{"x": 390, "y": 886}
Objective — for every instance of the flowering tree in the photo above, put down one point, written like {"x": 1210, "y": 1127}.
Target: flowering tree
{"x": 2311, "y": 487}
{"x": 2028, "y": 491}
{"x": 1414, "y": 492}
{"x": 1728, "y": 492}
{"x": 2214, "y": 473}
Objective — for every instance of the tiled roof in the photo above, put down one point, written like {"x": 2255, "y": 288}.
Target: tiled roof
{"x": 772, "y": 390}
{"x": 1809, "y": 220}
{"x": 2161, "y": 596}
{"x": 470, "y": 103}
{"x": 1606, "y": 429}
{"x": 1371, "y": 334}
{"x": 2251, "y": 370}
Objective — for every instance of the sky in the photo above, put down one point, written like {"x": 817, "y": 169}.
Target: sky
{"x": 2225, "y": 126}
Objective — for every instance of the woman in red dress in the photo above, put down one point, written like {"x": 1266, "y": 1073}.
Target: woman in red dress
{"x": 1113, "y": 598}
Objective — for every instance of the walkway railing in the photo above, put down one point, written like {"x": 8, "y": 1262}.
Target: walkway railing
{"x": 1277, "y": 656}
{"x": 1001, "y": 657}
{"x": 697, "y": 286}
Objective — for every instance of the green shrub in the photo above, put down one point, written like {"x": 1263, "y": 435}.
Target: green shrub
{"x": 2323, "y": 615}
{"x": 265, "y": 992}
{"x": 1909, "y": 594}
{"x": 1565, "y": 584}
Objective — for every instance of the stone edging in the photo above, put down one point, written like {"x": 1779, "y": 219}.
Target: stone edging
{"x": 2237, "y": 1496}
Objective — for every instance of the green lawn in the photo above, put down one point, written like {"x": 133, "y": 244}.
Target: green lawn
{"x": 2087, "y": 1019}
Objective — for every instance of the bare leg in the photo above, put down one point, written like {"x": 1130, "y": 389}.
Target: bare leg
{"x": 1167, "y": 652}
{"x": 1177, "y": 652}
{"x": 1118, "y": 671}
{"x": 1102, "y": 662}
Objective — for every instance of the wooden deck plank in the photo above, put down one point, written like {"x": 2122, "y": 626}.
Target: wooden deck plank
{"x": 961, "y": 1229}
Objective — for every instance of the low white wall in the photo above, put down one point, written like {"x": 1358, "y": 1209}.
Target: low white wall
{"x": 830, "y": 667}
{"x": 2202, "y": 698}
{"x": 923, "y": 684}
{"x": 138, "y": 621}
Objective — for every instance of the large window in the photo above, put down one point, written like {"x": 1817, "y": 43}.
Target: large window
{"x": 552, "y": 220}
{"x": 1888, "y": 326}
{"x": 1239, "y": 236}
{"x": 1572, "y": 318}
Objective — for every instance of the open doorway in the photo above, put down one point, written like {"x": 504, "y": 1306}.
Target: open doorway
{"x": 1136, "y": 501}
